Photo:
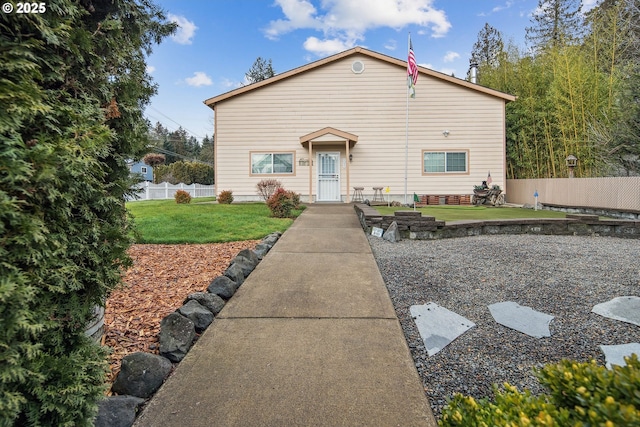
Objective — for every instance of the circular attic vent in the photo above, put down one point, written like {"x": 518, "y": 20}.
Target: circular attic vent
{"x": 357, "y": 67}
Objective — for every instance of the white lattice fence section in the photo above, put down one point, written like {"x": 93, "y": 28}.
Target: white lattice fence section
{"x": 164, "y": 190}
{"x": 610, "y": 193}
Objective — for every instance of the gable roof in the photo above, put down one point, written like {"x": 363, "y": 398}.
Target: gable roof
{"x": 330, "y": 132}
{"x": 211, "y": 102}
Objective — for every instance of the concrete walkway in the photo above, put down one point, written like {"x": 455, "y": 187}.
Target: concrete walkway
{"x": 310, "y": 339}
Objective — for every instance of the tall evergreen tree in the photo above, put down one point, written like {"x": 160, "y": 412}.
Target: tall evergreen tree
{"x": 206, "y": 152}
{"x": 555, "y": 23}
{"x": 73, "y": 83}
{"x": 260, "y": 70}
{"x": 489, "y": 47}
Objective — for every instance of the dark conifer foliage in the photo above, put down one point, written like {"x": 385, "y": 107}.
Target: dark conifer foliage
{"x": 73, "y": 84}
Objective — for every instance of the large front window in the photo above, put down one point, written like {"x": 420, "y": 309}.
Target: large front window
{"x": 271, "y": 163}
{"x": 444, "y": 161}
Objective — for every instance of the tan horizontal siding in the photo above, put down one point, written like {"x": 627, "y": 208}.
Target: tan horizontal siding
{"x": 373, "y": 106}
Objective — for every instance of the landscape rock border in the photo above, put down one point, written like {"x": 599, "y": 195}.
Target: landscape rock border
{"x": 412, "y": 225}
{"x": 146, "y": 372}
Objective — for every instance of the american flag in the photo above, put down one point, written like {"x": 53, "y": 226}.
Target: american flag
{"x": 489, "y": 180}
{"x": 412, "y": 69}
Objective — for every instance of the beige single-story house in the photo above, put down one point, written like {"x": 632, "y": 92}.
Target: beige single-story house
{"x": 347, "y": 121}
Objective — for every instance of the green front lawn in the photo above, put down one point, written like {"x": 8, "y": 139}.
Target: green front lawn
{"x": 201, "y": 221}
{"x": 461, "y": 213}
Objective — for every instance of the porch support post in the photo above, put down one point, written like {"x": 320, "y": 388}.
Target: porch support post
{"x": 310, "y": 172}
{"x": 348, "y": 174}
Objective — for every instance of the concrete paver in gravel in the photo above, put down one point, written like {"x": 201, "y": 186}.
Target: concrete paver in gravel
{"x": 438, "y": 326}
{"x": 310, "y": 339}
{"x": 615, "y": 354}
{"x": 521, "y": 318}
{"x": 624, "y": 309}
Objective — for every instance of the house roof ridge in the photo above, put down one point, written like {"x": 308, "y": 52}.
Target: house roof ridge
{"x": 210, "y": 102}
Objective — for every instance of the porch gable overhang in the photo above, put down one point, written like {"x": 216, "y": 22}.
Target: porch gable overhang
{"x": 329, "y": 135}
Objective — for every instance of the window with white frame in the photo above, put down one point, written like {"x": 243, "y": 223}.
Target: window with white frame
{"x": 143, "y": 169}
{"x": 271, "y": 163}
{"x": 444, "y": 161}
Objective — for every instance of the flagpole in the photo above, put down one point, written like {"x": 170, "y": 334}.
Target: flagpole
{"x": 406, "y": 144}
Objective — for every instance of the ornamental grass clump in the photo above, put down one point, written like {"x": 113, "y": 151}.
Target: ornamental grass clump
{"x": 579, "y": 394}
{"x": 182, "y": 197}
{"x": 282, "y": 202}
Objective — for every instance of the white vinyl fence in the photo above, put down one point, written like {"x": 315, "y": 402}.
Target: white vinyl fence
{"x": 164, "y": 190}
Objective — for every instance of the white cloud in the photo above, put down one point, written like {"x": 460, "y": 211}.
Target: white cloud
{"x": 186, "y": 29}
{"x": 451, "y": 56}
{"x": 587, "y": 5}
{"x": 344, "y": 23}
{"x": 497, "y": 9}
{"x": 299, "y": 13}
{"x": 391, "y": 45}
{"x": 507, "y": 5}
{"x": 325, "y": 47}
{"x": 228, "y": 84}
{"x": 199, "y": 79}
{"x": 150, "y": 69}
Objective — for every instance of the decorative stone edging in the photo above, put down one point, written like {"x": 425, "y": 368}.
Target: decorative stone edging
{"x": 142, "y": 374}
{"x": 412, "y": 225}
{"x": 613, "y": 213}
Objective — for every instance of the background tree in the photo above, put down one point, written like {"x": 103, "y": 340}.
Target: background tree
{"x": 159, "y": 140}
{"x": 614, "y": 47}
{"x": 74, "y": 81}
{"x": 185, "y": 172}
{"x": 576, "y": 95}
{"x": 555, "y": 23}
{"x": 260, "y": 70}
{"x": 206, "y": 150}
{"x": 175, "y": 145}
{"x": 154, "y": 160}
{"x": 489, "y": 47}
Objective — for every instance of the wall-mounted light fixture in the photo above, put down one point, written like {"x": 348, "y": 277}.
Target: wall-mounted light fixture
{"x": 446, "y": 133}
{"x": 303, "y": 162}
{"x": 350, "y": 157}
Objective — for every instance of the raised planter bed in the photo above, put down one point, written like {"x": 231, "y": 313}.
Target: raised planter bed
{"x": 417, "y": 227}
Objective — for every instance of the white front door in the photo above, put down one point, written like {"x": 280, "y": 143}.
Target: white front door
{"x": 328, "y": 177}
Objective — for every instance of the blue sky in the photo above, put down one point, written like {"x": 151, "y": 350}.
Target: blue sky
{"x": 218, "y": 41}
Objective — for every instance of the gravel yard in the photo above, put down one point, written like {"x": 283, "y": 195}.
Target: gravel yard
{"x": 564, "y": 276}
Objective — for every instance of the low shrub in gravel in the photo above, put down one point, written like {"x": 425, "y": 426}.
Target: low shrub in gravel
{"x": 579, "y": 394}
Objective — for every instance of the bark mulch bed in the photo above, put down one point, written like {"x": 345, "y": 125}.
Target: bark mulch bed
{"x": 156, "y": 285}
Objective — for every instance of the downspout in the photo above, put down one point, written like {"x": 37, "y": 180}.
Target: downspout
{"x": 310, "y": 172}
